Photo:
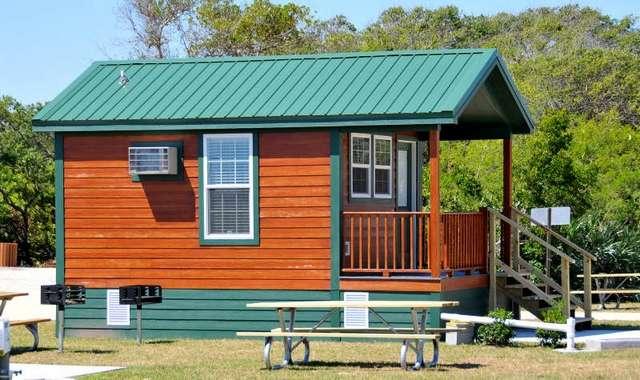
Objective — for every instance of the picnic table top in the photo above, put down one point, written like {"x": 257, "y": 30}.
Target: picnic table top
{"x": 343, "y": 304}
{"x": 612, "y": 275}
{"x": 9, "y": 295}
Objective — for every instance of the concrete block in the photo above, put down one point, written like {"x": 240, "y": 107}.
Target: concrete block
{"x": 611, "y": 344}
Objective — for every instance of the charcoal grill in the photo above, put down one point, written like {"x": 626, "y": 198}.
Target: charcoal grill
{"x": 140, "y": 295}
{"x": 62, "y": 295}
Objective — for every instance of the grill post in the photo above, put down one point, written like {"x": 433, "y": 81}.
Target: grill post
{"x": 60, "y": 320}
{"x": 140, "y": 295}
{"x": 139, "y": 323}
{"x": 62, "y": 295}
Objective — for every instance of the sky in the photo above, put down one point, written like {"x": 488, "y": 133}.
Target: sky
{"x": 45, "y": 45}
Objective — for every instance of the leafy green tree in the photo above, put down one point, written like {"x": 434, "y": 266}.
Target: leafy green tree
{"x": 548, "y": 174}
{"x": 257, "y": 28}
{"x": 27, "y": 194}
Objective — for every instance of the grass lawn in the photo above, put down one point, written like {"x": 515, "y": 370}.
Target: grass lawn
{"x": 223, "y": 359}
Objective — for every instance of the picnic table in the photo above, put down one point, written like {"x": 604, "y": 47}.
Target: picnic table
{"x": 412, "y": 338}
{"x": 8, "y": 296}
{"x": 30, "y": 324}
{"x": 606, "y": 286}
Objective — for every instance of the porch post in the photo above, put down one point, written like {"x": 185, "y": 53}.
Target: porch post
{"x": 507, "y": 201}
{"x": 434, "y": 201}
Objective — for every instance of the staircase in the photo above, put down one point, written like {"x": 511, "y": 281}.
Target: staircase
{"x": 529, "y": 286}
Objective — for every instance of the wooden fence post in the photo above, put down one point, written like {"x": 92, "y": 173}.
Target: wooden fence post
{"x": 587, "y": 286}
{"x": 491, "y": 262}
{"x": 566, "y": 286}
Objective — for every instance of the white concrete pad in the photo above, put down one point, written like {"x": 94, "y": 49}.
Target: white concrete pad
{"x": 55, "y": 372}
{"x": 29, "y": 280}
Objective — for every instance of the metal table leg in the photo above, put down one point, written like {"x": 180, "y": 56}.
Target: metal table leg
{"x": 2, "y": 305}
{"x": 286, "y": 360}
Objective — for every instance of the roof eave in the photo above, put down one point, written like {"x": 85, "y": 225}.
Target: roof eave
{"x": 172, "y": 125}
{"x": 495, "y": 61}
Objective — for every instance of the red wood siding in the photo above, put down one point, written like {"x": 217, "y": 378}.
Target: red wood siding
{"x": 120, "y": 232}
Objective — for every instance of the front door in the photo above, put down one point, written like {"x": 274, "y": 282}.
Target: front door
{"x": 405, "y": 176}
{"x": 406, "y": 199}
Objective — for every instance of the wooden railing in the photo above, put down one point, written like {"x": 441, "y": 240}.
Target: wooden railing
{"x": 464, "y": 240}
{"x": 397, "y": 242}
{"x": 545, "y": 275}
{"x": 385, "y": 242}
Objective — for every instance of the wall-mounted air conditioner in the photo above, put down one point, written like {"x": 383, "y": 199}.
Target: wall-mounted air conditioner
{"x": 151, "y": 160}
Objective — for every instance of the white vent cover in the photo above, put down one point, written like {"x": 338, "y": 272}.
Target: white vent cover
{"x": 356, "y": 317}
{"x": 149, "y": 160}
{"x": 117, "y": 315}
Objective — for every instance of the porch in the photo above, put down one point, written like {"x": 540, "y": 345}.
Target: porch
{"x": 396, "y": 244}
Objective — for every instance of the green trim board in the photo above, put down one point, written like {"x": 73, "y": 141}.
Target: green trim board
{"x": 59, "y": 205}
{"x": 255, "y": 191}
{"x": 179, "y": 145}
{"x": 419, "y": 87}
{"x": 336, "y": 215}
{"x": 185, "y": 313}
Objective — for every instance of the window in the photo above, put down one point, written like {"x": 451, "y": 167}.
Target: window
{"x": 363, "y": 169}
{"x": 382, "y": 164}
{"x": 360, "y": 165}
{"x": 228, "y": 187}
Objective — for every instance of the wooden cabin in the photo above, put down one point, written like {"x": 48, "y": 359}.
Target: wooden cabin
{"x": 230, "y": 180}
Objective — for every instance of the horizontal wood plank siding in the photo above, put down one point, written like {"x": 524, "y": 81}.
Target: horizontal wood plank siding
{"x": 120, "y": 232}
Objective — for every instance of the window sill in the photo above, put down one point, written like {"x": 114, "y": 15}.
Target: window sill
{"x": 227, "y": 242}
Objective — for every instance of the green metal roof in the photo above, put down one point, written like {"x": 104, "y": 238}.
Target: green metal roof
{"x": 346, "y": 89}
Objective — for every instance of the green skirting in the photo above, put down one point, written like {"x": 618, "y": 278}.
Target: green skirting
{"x": 189, "y": 314}
{"x": 220, "y": 313}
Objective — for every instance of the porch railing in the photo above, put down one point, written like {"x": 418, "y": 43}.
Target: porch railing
{"x": 464, "y": 241}
{"x": 387, "y": 243}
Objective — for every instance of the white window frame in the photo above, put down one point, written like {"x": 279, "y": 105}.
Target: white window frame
{"x": 389, "y": 167}
{"x": 206, "y": 187}
{"x": 363, "y": 166}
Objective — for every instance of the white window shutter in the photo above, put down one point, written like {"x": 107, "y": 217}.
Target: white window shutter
{"x": 117, "y": 315}
{"x": 356, "y": 317}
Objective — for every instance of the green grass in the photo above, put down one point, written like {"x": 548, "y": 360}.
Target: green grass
{"x": 241, "y": 359}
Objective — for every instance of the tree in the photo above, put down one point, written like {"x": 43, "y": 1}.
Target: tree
{"x": 547, "y": 174}
{"x": 27, "y": 192}
{"x": 256, "y": 29}
{"x": 155, "y": 24}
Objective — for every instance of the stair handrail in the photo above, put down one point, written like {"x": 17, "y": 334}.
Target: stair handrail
{"x": 531, "y": 235}
{"x": 553, "y": 233}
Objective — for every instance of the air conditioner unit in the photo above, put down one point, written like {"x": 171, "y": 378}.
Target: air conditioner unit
{"x": 153, "y": 160}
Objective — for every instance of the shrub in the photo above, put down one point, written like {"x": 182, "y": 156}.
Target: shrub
{"x": 497, "y": 333}
{"x": 552, "y": 315}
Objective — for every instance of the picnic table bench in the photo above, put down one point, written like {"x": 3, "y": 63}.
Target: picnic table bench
{"x": 30, "y": 324}
{"x": 606, "y": 288}
{"x": 412, "y": 338}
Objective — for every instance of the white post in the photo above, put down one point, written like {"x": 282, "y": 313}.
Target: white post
{"x": 571, "y": 334}
{"x": 5, "y": 348}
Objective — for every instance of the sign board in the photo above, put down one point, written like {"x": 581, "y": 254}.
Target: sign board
{"x": 560, "y": 216}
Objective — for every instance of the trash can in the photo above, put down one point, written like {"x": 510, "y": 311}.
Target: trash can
{"x": 463, "y": 336}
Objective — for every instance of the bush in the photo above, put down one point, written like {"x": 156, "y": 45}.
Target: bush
{"x": 497, "y": 333}
{"x": 552, "y": 315}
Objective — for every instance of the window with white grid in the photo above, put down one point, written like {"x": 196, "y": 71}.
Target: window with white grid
{"x": 360, "y": 165}
{"x": 228, "y": 186}
{"x": 382, "y": 167}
